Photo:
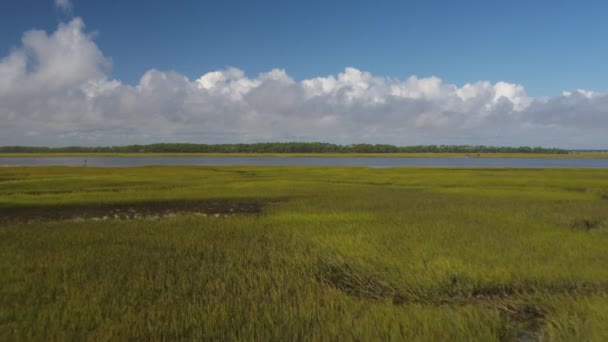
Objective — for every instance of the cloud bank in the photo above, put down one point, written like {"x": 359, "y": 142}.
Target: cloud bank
{"x": 56, "y": 89}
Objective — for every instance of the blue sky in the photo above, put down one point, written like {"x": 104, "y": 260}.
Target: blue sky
{"x": 548, "y": 46}
{"x": 83, "y": 72}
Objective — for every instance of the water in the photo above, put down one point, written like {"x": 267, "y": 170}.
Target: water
{"x": 310, "y": 161}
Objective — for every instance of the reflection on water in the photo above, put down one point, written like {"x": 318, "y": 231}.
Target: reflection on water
{"x": 310, "y": 161}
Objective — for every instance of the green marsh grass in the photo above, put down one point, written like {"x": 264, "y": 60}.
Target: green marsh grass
{"x": 336, "y": 254}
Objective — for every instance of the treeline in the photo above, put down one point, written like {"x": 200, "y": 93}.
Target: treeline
{"x": 288, "y": 147}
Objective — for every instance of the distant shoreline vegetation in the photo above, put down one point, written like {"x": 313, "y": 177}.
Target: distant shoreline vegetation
{"x": 288, "y": 147}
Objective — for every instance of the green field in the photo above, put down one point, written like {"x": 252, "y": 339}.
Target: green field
{"x": 301, "y": 253}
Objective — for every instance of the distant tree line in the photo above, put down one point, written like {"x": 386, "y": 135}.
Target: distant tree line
{"x": 287, "y": 147}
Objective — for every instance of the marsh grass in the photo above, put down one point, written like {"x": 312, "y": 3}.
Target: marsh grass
{"x": 329, "y": 254}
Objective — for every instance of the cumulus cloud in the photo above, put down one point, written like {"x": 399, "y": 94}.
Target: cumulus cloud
{"x": 55, "y": 89}
{"x": 64, "y": 5}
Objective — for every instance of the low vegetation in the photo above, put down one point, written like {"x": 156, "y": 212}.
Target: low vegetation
{"x": 289, "y": 147}
{"x": 303, "y": 253}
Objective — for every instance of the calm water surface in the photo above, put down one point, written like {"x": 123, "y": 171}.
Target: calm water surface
{"x": 310, "y": 161}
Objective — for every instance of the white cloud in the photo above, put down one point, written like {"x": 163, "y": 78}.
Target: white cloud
{"x": 64, "y": 5}
{"x": 55, "y": 90}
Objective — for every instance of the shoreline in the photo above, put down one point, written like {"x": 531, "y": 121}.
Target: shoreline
{"x": 590, "y": 155}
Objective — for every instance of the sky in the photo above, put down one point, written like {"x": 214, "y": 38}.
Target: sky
{"x": 81, "y": 72}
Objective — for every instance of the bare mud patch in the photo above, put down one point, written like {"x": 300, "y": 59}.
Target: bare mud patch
{"x": 137, "y": 210}
{"x": 587, "y": 224}
{"x": 524, "y": 320}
